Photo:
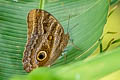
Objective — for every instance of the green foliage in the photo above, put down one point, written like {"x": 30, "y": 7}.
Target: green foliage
{"x": 91, "y": 69}
{"x": 90, "y": 16}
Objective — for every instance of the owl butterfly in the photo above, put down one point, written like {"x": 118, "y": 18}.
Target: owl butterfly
{"x": 45, "y": 40}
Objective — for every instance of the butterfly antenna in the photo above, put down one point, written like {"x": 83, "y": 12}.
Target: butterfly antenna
{"x": 68, "y": 24}
{"x": 68, "y": 33}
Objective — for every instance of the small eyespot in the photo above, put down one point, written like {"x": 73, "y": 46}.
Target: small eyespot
{"x": 41, "y": 55}
{"x": 50, "y": 37}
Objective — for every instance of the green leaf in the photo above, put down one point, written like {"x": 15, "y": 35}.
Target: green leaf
{"x": 91, "y": 69}
{"x": 114, "y": 2}
{"x": 90, "y": 16}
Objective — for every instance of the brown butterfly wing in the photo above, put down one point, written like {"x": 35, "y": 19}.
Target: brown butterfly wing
{"x": 44, "y": 34}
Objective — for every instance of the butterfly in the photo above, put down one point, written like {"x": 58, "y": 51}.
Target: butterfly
{"x": 46, "y": 40}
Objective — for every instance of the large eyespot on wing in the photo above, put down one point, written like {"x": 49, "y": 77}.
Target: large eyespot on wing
{"x": 42, "y": 55}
